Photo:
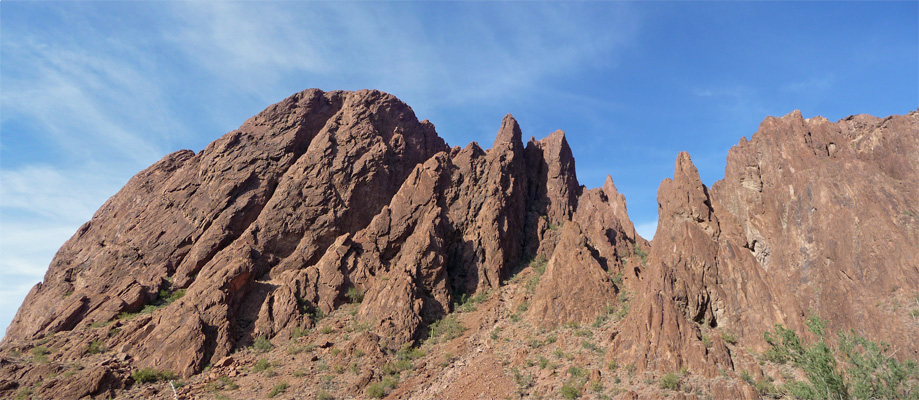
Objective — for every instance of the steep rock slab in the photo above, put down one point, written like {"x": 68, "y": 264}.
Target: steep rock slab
{"x": 575, "y": 286}
{"x": 280, "y": 186}
{"x": 829, "y": 211}
{"x": 174, "y": 215}
{"x": 698, "y": 280}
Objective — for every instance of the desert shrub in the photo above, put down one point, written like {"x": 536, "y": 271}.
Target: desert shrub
{"x": 262, "y": 345}
{"x": 24, "y": 393}
{"x": 407, "y": 352}
{"x": 617, "y": 279}
{"x": 641, "y": 254}
{"x": 875, "y": 374}
{"x": 278, "y": 389}
{"x": 323, "y": 395}
{"x": 539, "y": 267}
{"x": 707, "y": 341}
{"x": 523, "y": 381}
{"x": 670, "y": 381}
{"x": 395, "y": 367}
{"x": 597, "y": 387}
{"x": 149, "y": 375}
{"x": 447, "y": 328}
{"x": 465, "y": 303}
{"x": 375, "y": 391}
{"x": 590, "y": 346}
{"x": 95, "y": 347}
{"x": 569, "y": 391}
{"x": 728, "y": 337}
{"x": 222, "y": 383}
{"x": 171, "y": 297}
{"x": 746, "y": 377}
{"x": 767, "y": 388}
{"x": 863, "y": 370}
{"x": 261, "y": 365}
{"x": 298, "y": 332}
{"x": 624, "y": 305}
{"x": 40, "y": 351}
{"x": 355, "y": 295}
{"x": 576, "y": 372}
{"x": 523, "y": 307}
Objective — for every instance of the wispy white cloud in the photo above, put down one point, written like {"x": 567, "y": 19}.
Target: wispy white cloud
{"x": 40, "y": 208}
{"x": 396, "y": 49}
{"x": 87, "y": 103}
{"x": 815, "y": 83}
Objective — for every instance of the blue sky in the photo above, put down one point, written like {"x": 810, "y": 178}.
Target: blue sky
{"x": 91, "y": 93}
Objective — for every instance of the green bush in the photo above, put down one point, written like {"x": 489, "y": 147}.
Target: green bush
{"x": 95, "y": 347}
{"x": 41, "y": 354}
{"x": 746, "y": 377}
{"x": 863, "y": 369}
{"x": 375, "y": 391}
{"x": 467, "y": 304}
{"x": 262, "y": 345}
{"x": 323, "y": 395}
{"x": 728, "y": 337}
{"x": 617, "y": 279}
{"x": 670, "y": 381}
{"x": 407, "y": 352}
{"x": 261, "y": 365}
{"x": 641, "y": 254}
{"x": 298, "y": 332}
{"x": 767, "y": 388}
{"x": 24, "y": 393}
{"x": 707, "y": 341}
{"x": 278, "y": 389}
{"x": 590, "y": 346}
{"x": 149, "y": 375}
{"x": 355, "y": 295}
{"x": 222, "y": 383}
{"x": 539, "y": 267}
{"x": 569, "y": 391}
{"x": 448, "y": 328}
{"x": 394, "y": 368}
{"x": 178, "y": 294}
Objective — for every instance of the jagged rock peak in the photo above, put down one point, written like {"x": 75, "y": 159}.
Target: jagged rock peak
{"x": 509, "y": 134}
{"x": 684, "y": 196}
{"x": 342, "y": 230}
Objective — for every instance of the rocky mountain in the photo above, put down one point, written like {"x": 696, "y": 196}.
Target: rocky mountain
{"x": 335, "y": 247}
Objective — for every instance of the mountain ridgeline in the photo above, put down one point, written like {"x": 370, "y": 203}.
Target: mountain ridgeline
{"x": 335, "y": 235}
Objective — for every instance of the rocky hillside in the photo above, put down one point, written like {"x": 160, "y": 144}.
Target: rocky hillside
{"x": 335, "y": 247}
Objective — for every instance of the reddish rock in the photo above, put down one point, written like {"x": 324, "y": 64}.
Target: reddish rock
{"x": 328, "y": 198}
{"x": 575, "y": 286}
{"x": 828, "y": 210}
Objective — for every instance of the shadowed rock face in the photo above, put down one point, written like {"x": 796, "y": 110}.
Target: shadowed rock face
{"x": 327, "y": 195}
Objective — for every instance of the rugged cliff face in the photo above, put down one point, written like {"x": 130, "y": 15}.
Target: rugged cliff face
{"x": 339, "y": 223}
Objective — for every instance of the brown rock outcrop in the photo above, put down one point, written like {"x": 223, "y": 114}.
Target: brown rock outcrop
{"x": 330, "y": 198}
{"x": 828, "y": 210}
{"x": 575, "y": 286}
